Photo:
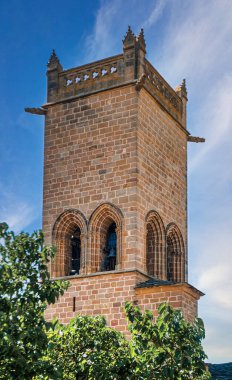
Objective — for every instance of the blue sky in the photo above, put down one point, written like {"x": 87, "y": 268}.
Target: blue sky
{"x": 185, "y": 39}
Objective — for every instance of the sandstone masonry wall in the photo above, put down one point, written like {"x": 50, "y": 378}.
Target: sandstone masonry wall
{"x": 105, "y": 294}
{"x": 115, "y": 157}
{"x": 162, "y": 169}
{"x": 91, "y": 158}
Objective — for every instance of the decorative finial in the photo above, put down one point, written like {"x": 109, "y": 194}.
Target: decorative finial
{"x": 141, "y": 40}
{"x": 129, "y": 39}
{"x": 183, "y": 86}
{"x": 181, "y": 90}
{"x": 53, "y": 60}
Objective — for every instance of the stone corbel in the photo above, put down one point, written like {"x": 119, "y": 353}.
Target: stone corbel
{"x": 36, "y": 110}
{"x": 140, "y": 82}
{"x": 196, "y": 139}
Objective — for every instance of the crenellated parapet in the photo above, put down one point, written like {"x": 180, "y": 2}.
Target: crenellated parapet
{"x": 91, "y": 78}
{"x": 156, "y": 85}
{"x": 131, "y": 67}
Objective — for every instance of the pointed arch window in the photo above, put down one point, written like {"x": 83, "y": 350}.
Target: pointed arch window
{"x": 69, "y": 236}
{"x": 155, "y": 245}
{"x": 175, "y": 254}
{"x": 150, "y": 249}
{"x": 105, "y": 229}
{"x": 110, "y": 250}
{"x": 171, "y": 258}
{"x": 75, "y": 252}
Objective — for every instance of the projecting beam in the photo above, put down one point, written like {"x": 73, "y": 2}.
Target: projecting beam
{"x": 36, "y": 111}
{"x": 196, "y": 139}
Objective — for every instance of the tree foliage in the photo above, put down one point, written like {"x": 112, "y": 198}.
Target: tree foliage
{"x": 25, "y": 289}
{"x": 85, "y": 349}
{"x": 168, "y": 349}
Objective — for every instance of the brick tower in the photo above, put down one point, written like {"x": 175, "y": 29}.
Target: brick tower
{"x": 115, "y": 186}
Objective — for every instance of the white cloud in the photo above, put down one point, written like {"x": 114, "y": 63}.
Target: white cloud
{"x": 19, "y": 217}
{"x": 210, "y": 267}
{"x": 214, "y": 267}
{"x": 155, "y": 14}
{"x": 217, "y": 343}
{"x": 198, "y": 40}
{"x": 17, "y": 213}
{"x": 99, "y": 43}
{"x": 198, "y": 46}
{"x": 215, "y": 118}
{"x": 112, "y": 20}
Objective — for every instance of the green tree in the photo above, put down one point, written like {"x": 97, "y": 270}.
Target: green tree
{"x": 25, "y": 290}
{"x": 86, "y": 349}
{"x": 168, "y": 349}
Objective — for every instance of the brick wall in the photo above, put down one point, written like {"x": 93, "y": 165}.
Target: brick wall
{"x": 118, "y": 147}
{"x": 98, "y": 294}
{"x": 105, "y": 294}
{"x": 178, "y": 296}
{"x": 162, "y": 171}
{"x": 90, "y": 158}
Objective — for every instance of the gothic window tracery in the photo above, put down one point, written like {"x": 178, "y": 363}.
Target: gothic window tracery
{"x": 175, "y": 255}
{"x": 75, "y": 252}
{"x": 110, "y": 250}
{"x": 155, "y": 246}
{"x": 150, "y": 247}
{"x": 105, "y": 243}
{"x": 170, "y": 260}
{"x": 69, "y": 236}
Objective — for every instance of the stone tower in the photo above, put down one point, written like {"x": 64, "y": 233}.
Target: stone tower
{"x": 115, "y": 186}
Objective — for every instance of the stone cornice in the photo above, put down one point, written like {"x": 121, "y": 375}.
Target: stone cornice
{"x": 106, "y": 273}
{"x": 184, "y": 285}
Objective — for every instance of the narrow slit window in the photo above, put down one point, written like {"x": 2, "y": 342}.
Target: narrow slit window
{"x": 170, "y": 259}
{"x": 110, "y": 250}
{"x": 75, "y": 252}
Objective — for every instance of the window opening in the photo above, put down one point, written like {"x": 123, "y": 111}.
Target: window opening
{"x": 170, "y": 259}
{"x": 110, "y": 249}
{"x": 75, "y": 252}
{"x": 150, "y": 251}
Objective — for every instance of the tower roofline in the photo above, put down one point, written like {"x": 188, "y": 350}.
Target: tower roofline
{"x": 87, "y": 66}
{"x": 130, "y": 67}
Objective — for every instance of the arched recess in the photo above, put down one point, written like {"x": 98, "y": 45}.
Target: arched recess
{"x": 175, "y": 254}
{"x": 69, "y": 236}
{"x": 155, "y": 245}
{"x": 105, "y": 233}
